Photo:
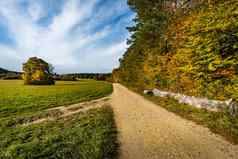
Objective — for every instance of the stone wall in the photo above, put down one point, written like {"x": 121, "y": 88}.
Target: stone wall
{"x": 212, "y": 105}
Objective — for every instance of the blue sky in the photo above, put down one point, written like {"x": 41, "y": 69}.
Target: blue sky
{"x": 73, "y": 35}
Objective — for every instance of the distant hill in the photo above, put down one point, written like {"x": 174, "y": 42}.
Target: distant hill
{"x": 6, "y": 74}
{"x": 3, "y": 71}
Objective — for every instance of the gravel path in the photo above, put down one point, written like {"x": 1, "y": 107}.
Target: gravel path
{"x": 147, "y": 131}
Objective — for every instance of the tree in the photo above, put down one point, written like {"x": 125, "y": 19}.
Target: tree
{"x": 187, "y": 46}
{"x": 37, "y": 72}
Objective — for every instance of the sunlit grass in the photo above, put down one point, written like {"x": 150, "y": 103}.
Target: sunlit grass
{"x": 16, "y": 98}
{"x": 91, "y": 134}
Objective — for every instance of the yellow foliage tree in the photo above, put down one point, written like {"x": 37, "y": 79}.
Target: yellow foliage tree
{"x": 38, "y": 72}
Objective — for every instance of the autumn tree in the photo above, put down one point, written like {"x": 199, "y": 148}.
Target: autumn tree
{"x": 37, "y": 72}
{"x": 185, "y": 46}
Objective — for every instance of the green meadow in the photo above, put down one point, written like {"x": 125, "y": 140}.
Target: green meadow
{"x": 19, "y": 99}
{"x": 85, "y": 135}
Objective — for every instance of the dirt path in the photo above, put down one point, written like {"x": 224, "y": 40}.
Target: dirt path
{"x": 147, "y": 131}
{"x": 69, "y": 110}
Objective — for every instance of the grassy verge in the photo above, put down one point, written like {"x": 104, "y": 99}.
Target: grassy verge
{"x": 90, "y": 135}
{"x": 218, "y": 122}
{"x": 17, "y": 99}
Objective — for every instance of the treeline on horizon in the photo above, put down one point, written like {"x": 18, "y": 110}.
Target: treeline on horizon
{"x": 12, "y": 75}
{"x": 184, "y": 46}
{"x": 75, "y": 76}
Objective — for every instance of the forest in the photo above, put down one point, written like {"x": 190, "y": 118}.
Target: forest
{"x": 184, "y": 46}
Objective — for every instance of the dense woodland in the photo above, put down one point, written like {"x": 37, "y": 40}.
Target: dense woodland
{"x": 185, "y": 46}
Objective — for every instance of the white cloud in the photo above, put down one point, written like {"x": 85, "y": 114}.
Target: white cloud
{"x": 58, "y": 43}
{"x": 9, "y": 57}
{"x": 36, "y": 10}
{"x": 106, "y": 58}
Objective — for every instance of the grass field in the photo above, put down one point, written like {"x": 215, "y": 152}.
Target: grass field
{"x": 88, "y": 135}
{"x": 18, "y": 99}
